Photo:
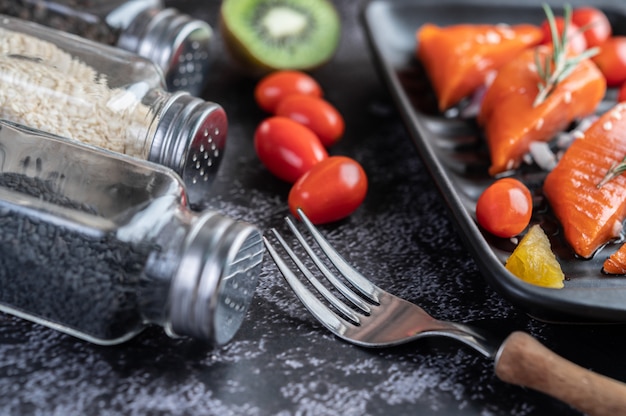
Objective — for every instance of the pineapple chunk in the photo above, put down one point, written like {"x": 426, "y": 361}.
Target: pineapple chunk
{"x": 534, "y": 262}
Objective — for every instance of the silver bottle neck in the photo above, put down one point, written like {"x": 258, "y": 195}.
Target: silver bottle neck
{"x": 190, "y": 138}
{"x": 220, "y": 264}
{"x": 175, "y": 42}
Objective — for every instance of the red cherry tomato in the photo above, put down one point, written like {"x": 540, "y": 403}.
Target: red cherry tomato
{"x": 286, "y": 148}
{"x": 612, "y": 60}
{"x": 274, "y": 87}
{"x": 504, "y": 208}
{"x": 594, "y": 23}
{"x": 330, "y": 191}
{"x": 575, "y": 39}
{"x": 315, "y": 113}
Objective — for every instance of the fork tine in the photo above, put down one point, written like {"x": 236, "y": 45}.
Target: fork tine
{"x": 366, "y": 287}
{"x": 321, "y": 312}
{"x": 345, "y": 290}
{"x": 307, "y": 273}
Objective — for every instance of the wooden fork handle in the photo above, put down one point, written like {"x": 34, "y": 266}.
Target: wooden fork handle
{"x": 524, "y": 361}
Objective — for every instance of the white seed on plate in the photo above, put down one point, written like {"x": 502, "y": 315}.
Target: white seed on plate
{"x": 505, "y": 31}
{"x": 586, "y": 122}
{"x": 607, "y": 126}
{"x": 567, "y": 97}
{"x": 539, "y": 124}
{"x": 527, "y": 158}
{"x": 542, "y": 155}
{"x": 493, "y": 37}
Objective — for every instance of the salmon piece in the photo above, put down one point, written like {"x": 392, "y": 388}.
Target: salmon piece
{"x": 511, "y": 122}
{"x": 590, "y": 215}
{"x": 616, "y": 262}
{"x": 458, "y": 59}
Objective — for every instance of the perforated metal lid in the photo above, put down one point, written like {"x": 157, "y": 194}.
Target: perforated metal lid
{"x": 191, "y": 138}
{"x": 177, "y": 43}
{"x": 216, "y": 279}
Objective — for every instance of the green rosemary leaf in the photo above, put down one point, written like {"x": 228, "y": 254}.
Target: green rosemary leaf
{"x": 588, "y": 53}
{"x": 567, "y": 18}
{"x": 547, "y": 68}
{"x": 613, "y": 172}
{"x": 573, "y": 63}
{"x": 551, "y": 23}
{"x": 540, "y": 67}
{"x": 557, "y": 65}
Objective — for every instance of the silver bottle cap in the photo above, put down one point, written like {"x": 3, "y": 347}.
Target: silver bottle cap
{"x": 190, "y": 139}
{"x": 177, "y": 43}
{"x": 216, "y": 279}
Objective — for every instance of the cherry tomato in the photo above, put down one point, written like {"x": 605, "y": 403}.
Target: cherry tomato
{"x": 594, "y": 23}
{"x": 504, "y": 208}
{"x": 575, "y": 38}
{"x": 286, "y": 148}
{"x": 612, "y": 60}
{"x": 274, "y": 87}
{"x": 315, "y": 113}
{"x": 330, "y": 191}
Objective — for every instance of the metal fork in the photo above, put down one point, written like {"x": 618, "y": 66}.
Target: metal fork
{"x": 380, "y": 319}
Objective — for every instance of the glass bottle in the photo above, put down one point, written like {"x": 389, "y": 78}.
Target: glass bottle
{"x": 99, "y": 245}
{"x": 102, "y": 95}
{"x": 177, "y": 43}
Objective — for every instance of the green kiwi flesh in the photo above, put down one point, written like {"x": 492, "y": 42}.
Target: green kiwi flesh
{"x": 267, "y": 35}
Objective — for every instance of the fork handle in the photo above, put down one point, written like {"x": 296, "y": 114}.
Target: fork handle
{"x": 524, "y": 361}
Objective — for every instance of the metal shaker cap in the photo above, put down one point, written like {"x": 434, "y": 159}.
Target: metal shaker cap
{"x": 177, "y": 43}
{"x": 190, "y": 138}
{"x": 215, "y": 283}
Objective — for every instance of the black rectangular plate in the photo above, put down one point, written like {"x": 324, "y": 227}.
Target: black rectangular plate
{"x": 454, "y": 153}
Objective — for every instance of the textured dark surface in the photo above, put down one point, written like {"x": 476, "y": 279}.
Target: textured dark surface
{"x": 282, "y": 362}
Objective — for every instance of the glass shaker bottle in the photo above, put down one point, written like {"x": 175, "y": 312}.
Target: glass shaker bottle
{"x": 99, "y": 245}
{"x": 177, "y": 43}
{"x": 102, "y": 95}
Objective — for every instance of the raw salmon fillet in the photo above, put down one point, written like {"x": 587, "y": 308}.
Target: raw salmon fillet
{"x": 616, "y": 263}
{"x": 590, "y": 215}
{"x": 511, "y": 122}
{"x": 459, "y": 58}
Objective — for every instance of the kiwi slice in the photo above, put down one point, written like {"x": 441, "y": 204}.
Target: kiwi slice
{"x": 267, "y": 35}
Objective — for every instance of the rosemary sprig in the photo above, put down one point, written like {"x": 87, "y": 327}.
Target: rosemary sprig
{"x": 613, "y": 172}
{"x": 558, "y": 65}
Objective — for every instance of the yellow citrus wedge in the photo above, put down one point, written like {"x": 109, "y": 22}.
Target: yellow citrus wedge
{"x": 534, "y": 262}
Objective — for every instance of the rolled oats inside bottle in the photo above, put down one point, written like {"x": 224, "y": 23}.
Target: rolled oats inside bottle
{"x": 110, "y": 98}
{"x": 179, "y": 44}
